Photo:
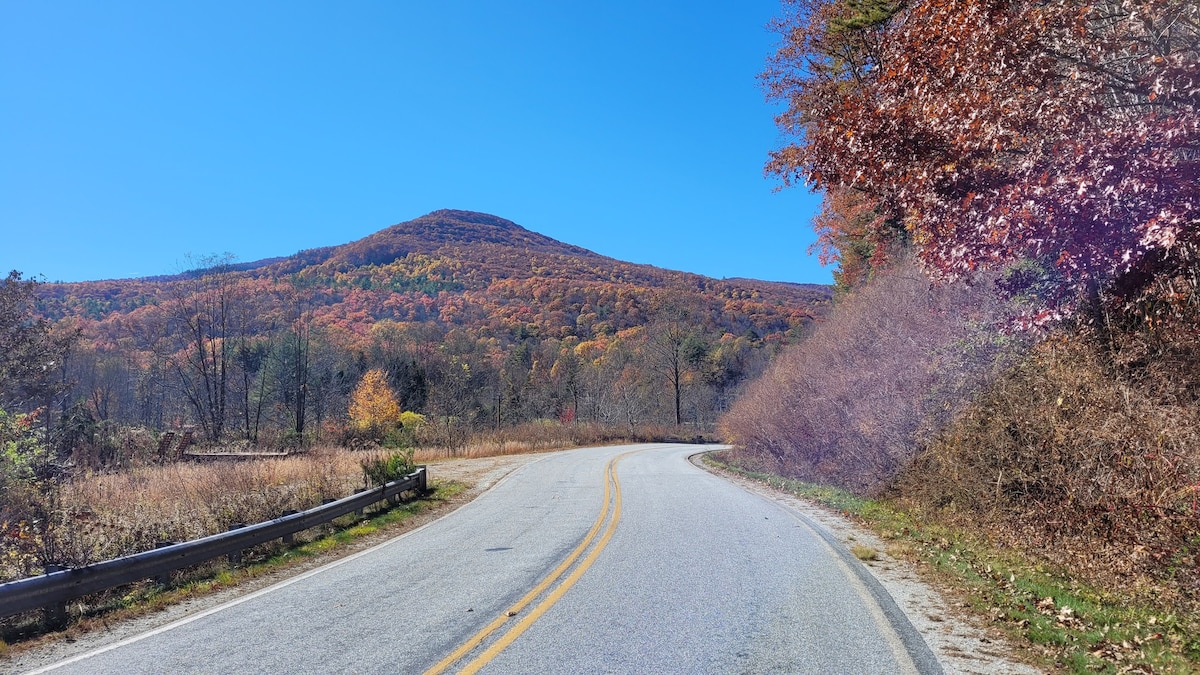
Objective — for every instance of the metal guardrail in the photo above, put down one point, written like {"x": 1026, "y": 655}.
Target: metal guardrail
{"x": 53, "y": 589}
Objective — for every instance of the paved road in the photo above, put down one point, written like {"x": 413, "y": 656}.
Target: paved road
{"x": 602, "y": 560}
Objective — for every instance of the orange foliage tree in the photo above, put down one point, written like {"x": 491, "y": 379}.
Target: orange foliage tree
{"x": 373, "y": 404}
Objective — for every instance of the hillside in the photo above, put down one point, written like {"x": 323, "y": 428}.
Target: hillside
{"x": 478, "y": 258}
{"x": 473, "y": 318}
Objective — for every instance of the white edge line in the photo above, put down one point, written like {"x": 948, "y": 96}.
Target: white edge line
{"x": 274, "y": 587}
{"x": 888, "y": 631}
{"x": 890, "y": 634}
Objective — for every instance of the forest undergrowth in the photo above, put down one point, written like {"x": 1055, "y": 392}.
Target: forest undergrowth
{"x": 1070, "y": 457}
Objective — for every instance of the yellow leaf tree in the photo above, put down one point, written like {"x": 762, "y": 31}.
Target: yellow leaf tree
{"x": 373, "y": 404}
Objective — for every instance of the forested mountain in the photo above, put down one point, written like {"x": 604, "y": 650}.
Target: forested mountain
{"x": 476, "y": 321}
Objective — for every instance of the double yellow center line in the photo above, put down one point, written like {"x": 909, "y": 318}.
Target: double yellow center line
{"x": 611, "y": 512}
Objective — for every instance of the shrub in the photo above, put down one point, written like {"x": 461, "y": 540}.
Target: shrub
{"x": 387, "y": 468}
{"x": 28, "y": 481}
{"x": 894, "y": 361}
{"x": 1075, "y": 454}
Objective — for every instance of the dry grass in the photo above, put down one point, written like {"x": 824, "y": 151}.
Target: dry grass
{"x": 1069, "y": 458}
{"x": 106, "y": 515}
{"x": 864, "y": 553}
{"x": 530, "y": 437}
{"x": 100, "y": 516}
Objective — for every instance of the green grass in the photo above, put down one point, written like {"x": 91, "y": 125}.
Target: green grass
{"x": 1065, "y": 624}
{"x": 361, "y": 528}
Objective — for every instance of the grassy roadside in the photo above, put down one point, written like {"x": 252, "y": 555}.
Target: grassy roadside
{"x": 343, "y": 536}
{"x": 1063, "y": 623}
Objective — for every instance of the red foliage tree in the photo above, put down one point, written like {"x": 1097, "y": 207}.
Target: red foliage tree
{"x": 997, "y": 130}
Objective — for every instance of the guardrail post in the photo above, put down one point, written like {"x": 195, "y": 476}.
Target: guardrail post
{"x": 290, "y": 537}
{"x": 327, "y": 500}
{"x": 56, "y": 613}
{"x": 235, "y": 558}
{"x": 422, "y": 481}
{"x": 163, "y": 579}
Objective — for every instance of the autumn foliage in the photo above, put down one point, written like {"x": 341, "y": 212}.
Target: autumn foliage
{"x": 1055, "y": 144}
{"x": 1085, "y": 460}
{"x": 853, "y": 403}
{"x": 373, "y": 404}
{"x": 997, "y": 130}
{"x": 474, "y": 321}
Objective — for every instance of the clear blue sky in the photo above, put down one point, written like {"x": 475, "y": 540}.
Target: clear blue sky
{"x": 133, "y": 134}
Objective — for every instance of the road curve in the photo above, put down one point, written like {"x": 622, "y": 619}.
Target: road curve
{"x": 601, "y": 560}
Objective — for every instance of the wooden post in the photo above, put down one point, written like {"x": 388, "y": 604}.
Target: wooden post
{"x": 184, "y": 443}
{"x": 329, "y": 523}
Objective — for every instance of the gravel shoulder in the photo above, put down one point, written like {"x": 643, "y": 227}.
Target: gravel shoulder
{"x": 961, "y": 644}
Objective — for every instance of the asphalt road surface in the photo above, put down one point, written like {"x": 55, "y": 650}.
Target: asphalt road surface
{"x": 602, "y": 560}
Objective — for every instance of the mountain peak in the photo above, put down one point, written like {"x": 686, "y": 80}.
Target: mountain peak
{"x": 444, "y": 228}
{"x": 470, "y": 217}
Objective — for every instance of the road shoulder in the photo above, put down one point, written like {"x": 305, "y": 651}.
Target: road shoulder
{"x": 960, "y": 643}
